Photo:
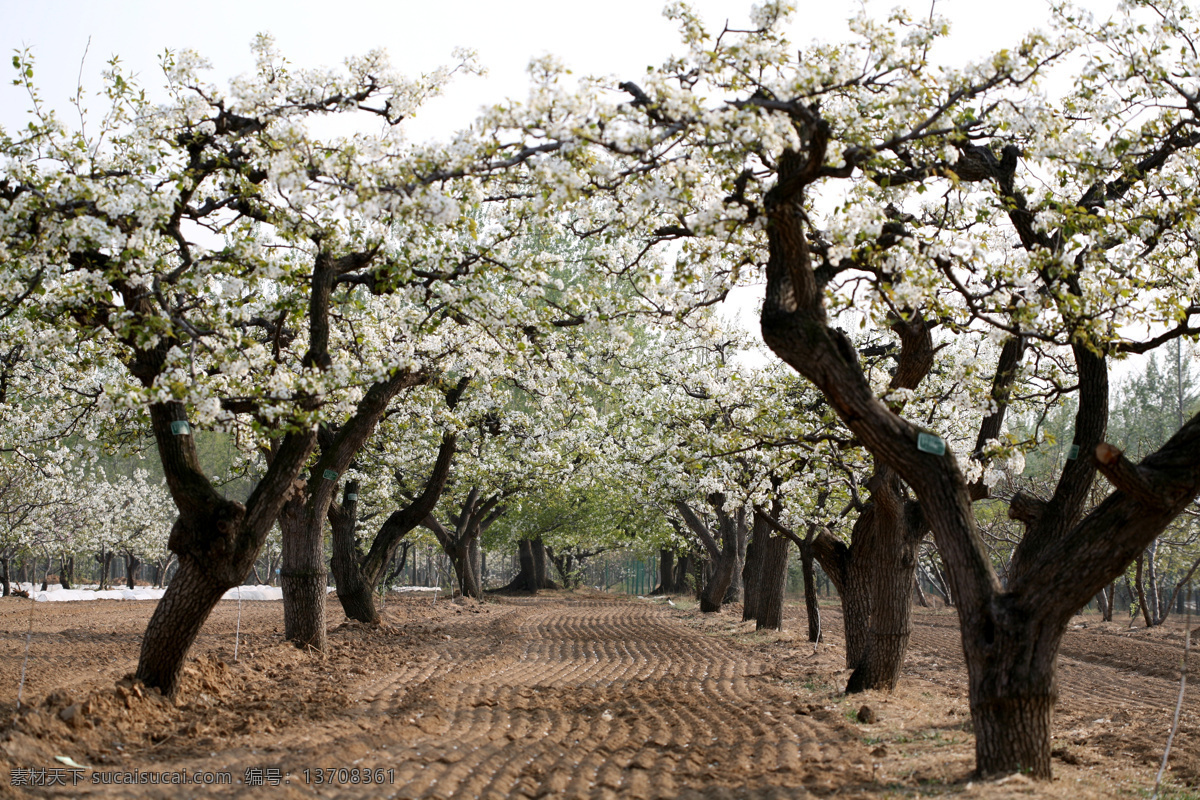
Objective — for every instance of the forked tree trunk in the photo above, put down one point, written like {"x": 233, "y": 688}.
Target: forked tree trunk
{"x": 4, "y": 576}
{"x": 1010, "y": 633}
{"x": 724, "y": 559}
{"x": 358, "y": 574}
{"x": 302, "y": 572}
{"x": 462, "y": 543}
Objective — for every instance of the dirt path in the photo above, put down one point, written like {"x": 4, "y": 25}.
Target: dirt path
{"x": 594, "y": 697}
{"x": 581, "y": 700}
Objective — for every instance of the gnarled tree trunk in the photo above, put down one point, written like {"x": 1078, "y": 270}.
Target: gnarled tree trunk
{"x": 462, "y": 543}
{"x": 1010, "y": 633}
{"x": 532, "y": 576}
{"x": 215, "y": 539}
{"x": 723, "y": 558}
{"x": 358, "y": 574}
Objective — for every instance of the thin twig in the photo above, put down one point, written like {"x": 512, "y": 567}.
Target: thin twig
{"x": 237, "y": 636}
{"x": 1187, "y": 642}
{"x": 28, "y": 638}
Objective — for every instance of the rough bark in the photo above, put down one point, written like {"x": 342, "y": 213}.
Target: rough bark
{"x": 358, "y": 574}
{"x": 532, "y": 576}
{"x": 461, "y": 543}
{"x": 811, "y": 605}
{"x": 355, "y": 593}
{"x": 723, "y": 557}
{"x": 752, "y": 572}
{"x": 302, "y": 573}
{"x": 666, "y": 572}
{"x": 215, "y": 539}
{"x": 773, "y": 582}
{"x": 1010, "y": 634}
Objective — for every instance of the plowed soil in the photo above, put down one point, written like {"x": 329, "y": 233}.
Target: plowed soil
{"x": 554, "y": 696}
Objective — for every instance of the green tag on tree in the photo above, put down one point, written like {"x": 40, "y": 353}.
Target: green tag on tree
{"x": 352, "y": 498}
{"x": 930, "y": 443}
{"x": 1073, "y": 452}
{"x": 330, "y": 475}
{"x": 180, "y": 428}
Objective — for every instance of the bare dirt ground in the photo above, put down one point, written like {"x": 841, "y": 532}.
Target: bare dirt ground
{"x": 555, "y": 696}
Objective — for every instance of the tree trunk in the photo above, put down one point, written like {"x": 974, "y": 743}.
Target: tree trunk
{"x": 1103, "y": 605}
{"x": 66, "y": 575}
{"x": 773, "y": 584}
{"x": 354, "y": 591}
{"x": 302, "y": 574}
{"x": 4, "y": 576}
{"x": 464, "y": 557}
{"x": 1012, "y": 690}
{"x": 735, "y": 593}
{"x": 104, "y": 559}
{"x": 177, "y": 619}
{"x": 1141, "y": 592}
{"x": 1153, "y": 590}
{"x": 541, "y": 573}
{"x": 358, "y": 575}
{"x": 891, "y": 618}
{"x": 132, "y": 562}
{"x": 717, "y": 588}
{"x": 752, "y": 571}
{"x": 811, "y": 602}
{"x": 526, "y": 577}
{"x": 922, "y": 600}
{"x": 666, "y": 572}
{"x": 725, "y": 557}
{"x": 532, "y": 575}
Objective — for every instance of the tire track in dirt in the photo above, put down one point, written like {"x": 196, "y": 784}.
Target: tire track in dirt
{"x": 591, "y": 699}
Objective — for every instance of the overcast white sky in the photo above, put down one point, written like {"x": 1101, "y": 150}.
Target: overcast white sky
{"x": 619, "y": 37}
